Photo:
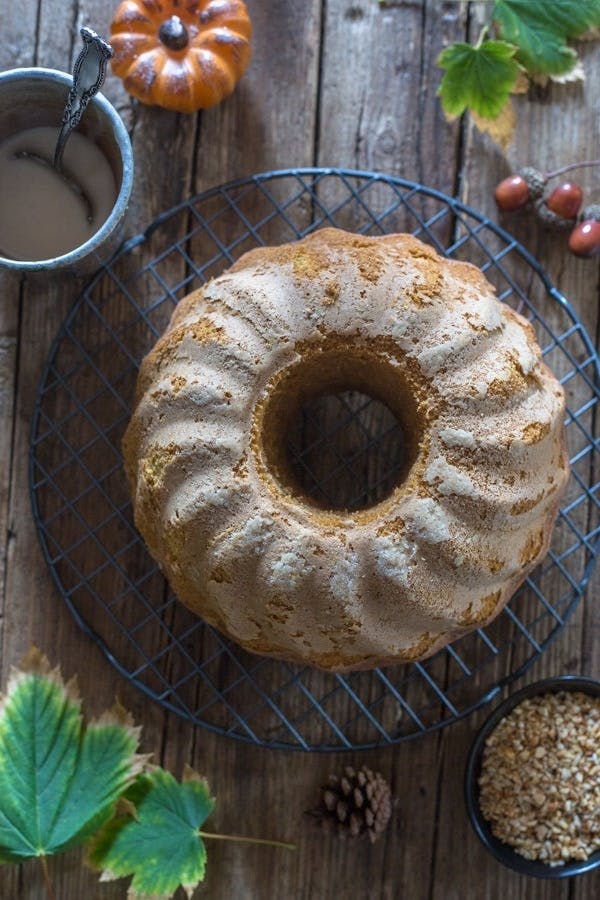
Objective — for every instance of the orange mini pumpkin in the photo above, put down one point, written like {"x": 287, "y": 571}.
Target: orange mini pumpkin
{"x": 181, "y": 54}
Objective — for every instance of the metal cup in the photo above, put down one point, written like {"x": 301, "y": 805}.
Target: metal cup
{"x": 35, "y": 97}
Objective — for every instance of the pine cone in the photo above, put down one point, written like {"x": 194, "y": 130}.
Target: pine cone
{"x": 358, "y": 803}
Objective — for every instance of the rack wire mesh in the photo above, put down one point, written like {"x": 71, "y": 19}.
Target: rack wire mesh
{"x": 81, "y": 502}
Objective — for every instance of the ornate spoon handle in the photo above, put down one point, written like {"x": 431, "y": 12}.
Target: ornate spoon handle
{"x": 89, "y": 73}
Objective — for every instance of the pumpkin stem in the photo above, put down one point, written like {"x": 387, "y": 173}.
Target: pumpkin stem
{"x": 173, "y": 34}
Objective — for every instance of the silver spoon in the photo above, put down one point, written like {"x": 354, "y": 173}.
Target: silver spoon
{"x": 89, "y": 73}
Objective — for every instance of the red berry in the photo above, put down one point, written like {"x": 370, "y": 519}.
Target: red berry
{"x": 565, "y": 200}
{"x": 512, "y": 193}
{"x": 585, "y": 239}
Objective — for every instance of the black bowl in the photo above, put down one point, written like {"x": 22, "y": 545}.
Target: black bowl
{"x": 497, "y": 848}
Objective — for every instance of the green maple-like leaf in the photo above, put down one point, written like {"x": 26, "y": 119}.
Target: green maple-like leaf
{"x": 540, "y": 29}
{"x": 477, "y": 77}
{"x": 161, "y": 844}
{"x": 58, "y": 781}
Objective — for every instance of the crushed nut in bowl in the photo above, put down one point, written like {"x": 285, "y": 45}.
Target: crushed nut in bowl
{"x": 533, "y": 779}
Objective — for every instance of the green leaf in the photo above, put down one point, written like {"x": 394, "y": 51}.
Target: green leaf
{"x": 161, "y": 846}
{"x": 540, "y": 29}
{"x": 58, "y": 781}
{"x": 480, "y": 78}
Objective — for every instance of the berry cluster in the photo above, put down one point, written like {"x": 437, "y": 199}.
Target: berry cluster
{"x": 560, "y": 209}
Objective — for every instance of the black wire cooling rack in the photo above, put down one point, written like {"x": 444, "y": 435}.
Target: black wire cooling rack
{"x": 81, "y": 502}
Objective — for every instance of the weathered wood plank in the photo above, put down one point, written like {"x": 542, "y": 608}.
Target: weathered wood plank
{"x": 539, "y": 142}
{"x": 9, "y": 332}
{"x": 18, "y": 49}
{"x": 384, "y": 116}
{"x": 42, "y": 618}
{"x": 19, "y": 25}
{"x": 378, "y": 104}
{"x": 57, "y": 35}
{"x": 269, "y": 122}
{"x": 9, "y": 336}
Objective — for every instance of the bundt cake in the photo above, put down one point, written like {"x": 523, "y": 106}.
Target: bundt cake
{"x": 217, "y": 500}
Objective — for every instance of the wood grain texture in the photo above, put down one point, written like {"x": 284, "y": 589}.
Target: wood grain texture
{"x": 332, "y": 82}
{"x": 553, "y": 128}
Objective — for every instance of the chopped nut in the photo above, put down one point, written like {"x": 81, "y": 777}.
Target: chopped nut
{"x": 548, "y": 810}
{"x": 537, "y": 797}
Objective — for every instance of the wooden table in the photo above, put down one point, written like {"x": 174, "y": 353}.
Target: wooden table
{"x": 345, "y": 83}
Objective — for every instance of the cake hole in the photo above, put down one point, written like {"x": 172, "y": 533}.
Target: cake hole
{"x": 346, "y": 450}
{"x": 341, "y": 428}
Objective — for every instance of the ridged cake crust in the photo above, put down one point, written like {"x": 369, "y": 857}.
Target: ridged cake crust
{"x": 217, "y": 505}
